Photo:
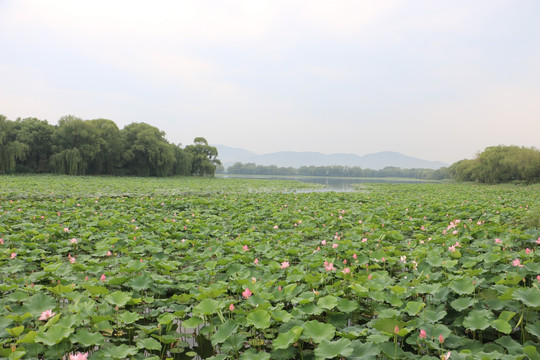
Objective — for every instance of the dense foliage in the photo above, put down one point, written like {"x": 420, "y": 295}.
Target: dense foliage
{"x": 172, "y": 268}
{"x": 98, "y": 147}
{"x": 336, "y": 171}
{"x": 499, "y": 164}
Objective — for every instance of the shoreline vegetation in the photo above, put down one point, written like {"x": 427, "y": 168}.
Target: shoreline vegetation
{"x": 99, "y": 147}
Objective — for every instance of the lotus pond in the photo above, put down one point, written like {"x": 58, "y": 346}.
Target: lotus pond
{"x": 183, "y": 268}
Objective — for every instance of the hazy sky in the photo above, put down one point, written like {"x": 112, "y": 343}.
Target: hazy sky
{"x": 439, "y": 80}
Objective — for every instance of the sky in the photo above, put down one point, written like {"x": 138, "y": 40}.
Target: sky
{"x": 439, "y": 80}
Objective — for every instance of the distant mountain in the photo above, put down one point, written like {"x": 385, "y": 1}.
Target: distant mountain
{"x": 376, "y": 161}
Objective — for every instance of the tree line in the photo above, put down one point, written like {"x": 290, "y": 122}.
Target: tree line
{"x": 496, "y": 164}
{"x": 499, "y": 164}
{"x": 336, "y": 171}
{"x": 98, "y": 147}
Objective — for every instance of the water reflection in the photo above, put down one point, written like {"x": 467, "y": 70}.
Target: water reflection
{"x": 330, "y": 183}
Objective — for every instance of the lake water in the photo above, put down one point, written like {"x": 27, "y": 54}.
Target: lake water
{"x": 330, "y": 183}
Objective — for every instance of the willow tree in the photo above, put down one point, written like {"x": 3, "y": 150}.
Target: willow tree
{"x": 147, "y": 152}
{"x": 11, "y": 150}
{"x": 204, "y": 157}
{"x": 75, "y": 145}
{"x": 111, "y": 148}
{"x": 37, "y": 135}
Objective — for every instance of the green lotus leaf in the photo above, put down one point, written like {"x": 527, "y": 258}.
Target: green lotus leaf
{"x": 478, "y": 320}
{"x": 462, "y": 286}
{"x": 119, "y": 352}
{"x": 286, "y": 339}
{"x": 96, "y": 290}
{"x": 255, "y": 355}
{"x": 330, "y": 349}
{"x": 531, "y": 352}
{"x": 166, "y": 318}
{"x": 463, "y": 303}
{"x": 16, "y": 355}
{"x": 388, "y": 325}
{"x": 259, "y": 318}
{"x": 433, "y": 316}
{"x": 529, "y": 296}
{"x": 328, "y": 302}
{"x": 346, "y": 305}
{"x": 192, "y": 322}
{"x": 224, "y": 331}
{"x": 142, "y": 282}
{"x": 414, "y": 307}
{"x": 318, "y": 331}
{"x": 28, "y": 338}
{"x": 207, "y": 307}
{"x": 149, "y": 344}
{"x": 281, "y": 315}
{"x": 118, "y": 298}
{"x": 128, "y": 317}
{"x": 38, "y": 303}
{"x": 16, "y": 331}
{"x": 364, "y": 351}
{"x": 534, "y": 329}
{"x": 501, "y": 326}
{"x": 86, "y": 338}
{"x": 53, "y": 335}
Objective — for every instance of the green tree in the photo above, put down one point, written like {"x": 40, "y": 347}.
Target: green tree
{"x": 37, "y": 135}
{"x": 204, "y": 157}
{"x": 147, "y": 152}
{"x": 11, "y": 150}
{"x": 111, "y": 147}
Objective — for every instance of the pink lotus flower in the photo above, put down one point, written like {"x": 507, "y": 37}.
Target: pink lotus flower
{"x": 65, "y": 229}
{"x": 452, "y": 248}
{"x": 323, "y": 242}
{"x": 346, "y": 271}
{"x": 79, "y": 356}
{"x": 447, "y": 356}
{"x": 1, "y": 241}
{"x": 231, "y": 307}
{"x": 276, "y": 227}
{"x": 441, "y": 339}
{"x": 73, "y": 241}
{"x": 538, "y": 278}
{"x": 245, "y": 247}
{"x": 329, "y": 267}
{"x": 47, "y": 314}
{"x": 354, "y": 256}
{"x": 527, "y": 251}
{"x": 498, "y": 241}
{"x": 109, "y": 253}
{"x": 256, "y": 261}
{"x": 423, "y": 334}
{"x": 13, "y": 255}
{"x": 71, "y": 259}
{"x": 403, "y": 259}
{"x": 517, "y": 263}
{"x": 334, "y": 246}
{"x": 103, "y": 277}
{"x": 538, "y": 241}
{"x": 284, "y": 264}
{"x": 396, "y": 330}
{"x": 247, "y": 293}
{"x": 364, "y": 240}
